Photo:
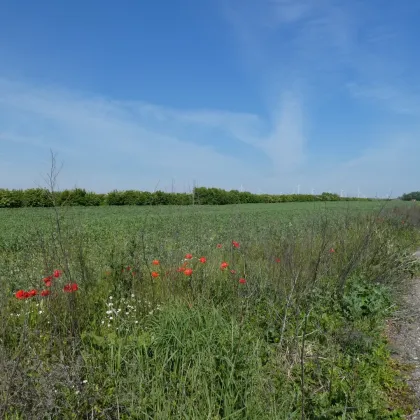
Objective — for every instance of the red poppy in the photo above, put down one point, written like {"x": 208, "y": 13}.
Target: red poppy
{"x": 203, "y": 260}
{"x": 20, "y": 294}
{"x": 242, "y": 281}
{"x": 155, "y": 262}
{"x": 48, "y": 281}
{"x": 219, "y": 245}
{"x": 232, "y": 271}
{"x": 155, "y": 274}
{"x": 32, "y": 293}
{"x": 57, "y": 273}
{"x": 180, "y": 269}
{"x": 70, "y": 287}
{"x": 235, "y": 244}
{"x": 278, "y": 260}
{"x": 128, "y": 268}
{"x": 188, "y": 256}
{"x": 332, "y": 250}
{"x": 45, "y": 293}
{"x": 188, "y": 272}
{"x": 26, "y": 295}
{"x": 224, "y": 265}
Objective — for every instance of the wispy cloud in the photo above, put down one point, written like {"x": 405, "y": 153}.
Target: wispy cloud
{"x": 318, "y": 50}
{"x": 142, "y": 143}
{"x": 388, "y": 96}
{"x": 316, "y": 63}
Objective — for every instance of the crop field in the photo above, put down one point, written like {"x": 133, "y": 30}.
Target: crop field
{"x": 253, "y": 311}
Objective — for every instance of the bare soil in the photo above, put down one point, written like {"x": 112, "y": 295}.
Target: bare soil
{"x": 404, "y": 335}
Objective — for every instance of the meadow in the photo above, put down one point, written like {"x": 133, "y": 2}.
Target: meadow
{"x": 251, "y": 311}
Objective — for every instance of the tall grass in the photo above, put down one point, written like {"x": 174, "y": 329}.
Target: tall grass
{"x": 302, "y": 337}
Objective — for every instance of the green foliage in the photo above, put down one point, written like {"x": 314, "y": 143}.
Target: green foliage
{"x": 288, "y": 343}
{"x": 415, "y": 195}
{"x": 11, "y": 199}
{"x": 205, "y": 196}
{"x": 363, "y": 299}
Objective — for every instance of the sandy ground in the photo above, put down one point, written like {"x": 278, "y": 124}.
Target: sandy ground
{"x": 405, "y": 337}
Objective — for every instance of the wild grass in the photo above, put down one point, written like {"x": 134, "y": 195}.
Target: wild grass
{"x": 301, "y": 336}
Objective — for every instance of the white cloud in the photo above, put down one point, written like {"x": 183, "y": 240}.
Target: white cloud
{"x": 286, "y": 144}
{"x": 108, "y": 144}
{"x": 141, "y": 143}
{"x": 389, "y": 97}
{"x": 299, "y": 50}
{"x": 315, "y": 50}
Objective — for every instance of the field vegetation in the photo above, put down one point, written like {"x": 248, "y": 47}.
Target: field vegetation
{"x": 254, "y": 311}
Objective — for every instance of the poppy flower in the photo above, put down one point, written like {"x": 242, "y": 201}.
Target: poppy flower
{"x": 331, "y": 251}
{"x": 232, "y": 271}
{"x": 219, "y": 245}
{"x": 203, "y": 260}
{"x": 128, "y": 268}
{"x": 70, "y": 287}
{"x": 45, "y": 293}
{"x": 57, "y": 273}
{"x": 155, "y": 274}
{"x": 32, "y": 293}
{"x": 48, "y": 281}
{"x": 20, "y": 294}
{"x": 26, "y": 295}
{"x": 188, "y": 256}
{"x": 224, "y": 265}
{"x": 155, "y": 262}
{"x": 188, "y": 272}
{"x": 181, "y": 269}
{"x": 235, "y": 244}
{"x": 242, "y": 281}
{"x": 278, "y": 260}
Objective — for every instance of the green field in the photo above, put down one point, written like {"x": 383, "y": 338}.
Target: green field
{"x": 293, "y": 327}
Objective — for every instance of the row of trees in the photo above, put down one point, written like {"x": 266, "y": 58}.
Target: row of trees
{"x": 38, "y": 197}
{"x": 415, "y": 195}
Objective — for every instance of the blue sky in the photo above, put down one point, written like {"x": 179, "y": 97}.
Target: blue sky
{"x": 267, "y": 94}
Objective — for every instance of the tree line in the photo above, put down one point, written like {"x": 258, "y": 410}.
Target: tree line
{"x": 415, "y": 195}
{"x": 39, "y": 197}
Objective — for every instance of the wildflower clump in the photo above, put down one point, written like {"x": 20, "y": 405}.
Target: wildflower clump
{"x": 48, "y": 282}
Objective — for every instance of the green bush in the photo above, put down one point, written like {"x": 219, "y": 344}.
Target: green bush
{"x": 201, "y": 196}
{"x": 415, "y": 195}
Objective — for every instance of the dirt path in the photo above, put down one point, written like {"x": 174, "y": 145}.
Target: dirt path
{"x": 405, "y": 337}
